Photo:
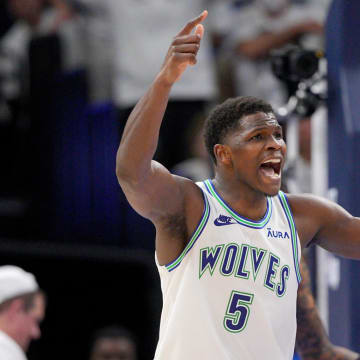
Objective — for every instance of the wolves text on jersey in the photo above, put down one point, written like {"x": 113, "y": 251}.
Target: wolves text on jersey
{"x": 234, "y": 263}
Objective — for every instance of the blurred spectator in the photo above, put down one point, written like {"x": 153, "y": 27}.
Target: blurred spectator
{"x": 255, "y": 28}
{"x": 22, "y": 308}
{"x": 44, "y": 39}
{"x": 113, "y": 343}
{"x": 36, "y": 18}
{"x": 98, "y": 47}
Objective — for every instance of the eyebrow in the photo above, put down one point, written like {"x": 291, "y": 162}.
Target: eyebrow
{"x": 261, "y": 127}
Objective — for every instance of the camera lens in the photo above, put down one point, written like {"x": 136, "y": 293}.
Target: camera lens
{"x": 294, "y": 64}
{"x": 303, "y": 64}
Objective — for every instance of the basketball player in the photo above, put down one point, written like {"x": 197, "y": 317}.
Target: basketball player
{"x": 227, "y": 249}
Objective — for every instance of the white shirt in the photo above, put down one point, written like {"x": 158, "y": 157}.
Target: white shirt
{"x": 9, "y": 349}
{"x": 142, "y": 32}
{"x": 98, "y": 47}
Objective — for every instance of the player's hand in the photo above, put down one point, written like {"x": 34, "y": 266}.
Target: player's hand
{"x": 310, "y": 26}
{"x": 183, "y": 50}
{"x": 346, "y": 354}
{"x": 332, "y": 353}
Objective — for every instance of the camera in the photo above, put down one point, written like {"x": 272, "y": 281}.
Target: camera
{"x": 295, "y": 64}
{"x": 304, "y": 73}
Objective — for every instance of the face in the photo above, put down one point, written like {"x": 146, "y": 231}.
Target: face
{"x": 29, "y": 322}
{"x": 257, "y": 150}
{"x": 114, "y": 349}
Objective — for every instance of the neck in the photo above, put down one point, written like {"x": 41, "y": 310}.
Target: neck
{"x": 244, "y": 200}
{"x": 9, "y": 330}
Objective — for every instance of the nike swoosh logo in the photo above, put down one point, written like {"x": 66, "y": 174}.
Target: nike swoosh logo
{"x": 221, "y": 223}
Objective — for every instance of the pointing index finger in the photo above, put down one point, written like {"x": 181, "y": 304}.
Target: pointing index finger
{"x": 188, "y": 28}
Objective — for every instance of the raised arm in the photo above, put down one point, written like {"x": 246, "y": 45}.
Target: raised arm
{"x": 327, "y": 224}
{"x": 149, "y": 187}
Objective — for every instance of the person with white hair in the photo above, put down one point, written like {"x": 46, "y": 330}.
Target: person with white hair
{"x": 22, "y": 308}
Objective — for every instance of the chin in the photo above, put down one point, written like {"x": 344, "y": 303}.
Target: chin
{"x": 272, "y": 191}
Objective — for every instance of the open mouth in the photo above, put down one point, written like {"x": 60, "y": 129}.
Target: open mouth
{"x": 271, "y": 168}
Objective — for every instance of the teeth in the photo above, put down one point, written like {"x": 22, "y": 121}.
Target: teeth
{"x": 274, "y": 161}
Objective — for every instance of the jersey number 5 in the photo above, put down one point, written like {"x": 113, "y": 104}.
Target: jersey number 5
{"x": 238, "y": 311}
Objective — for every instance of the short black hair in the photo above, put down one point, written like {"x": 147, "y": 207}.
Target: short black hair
{"x": 112, "y": 332}
{"x": 225, "y": 118}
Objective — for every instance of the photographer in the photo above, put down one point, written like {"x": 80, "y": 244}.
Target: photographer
{"x": 255, "y": 30}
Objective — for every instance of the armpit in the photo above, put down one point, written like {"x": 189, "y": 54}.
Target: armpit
{"x": 175, "y": 225}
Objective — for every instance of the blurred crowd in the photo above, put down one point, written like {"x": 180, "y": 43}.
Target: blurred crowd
{"x": 71, "y": 71}
{"x": 120, "y": 44}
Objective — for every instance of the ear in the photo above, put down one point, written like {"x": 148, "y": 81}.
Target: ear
{"x": 222, "y": 154}
{"x": 16, "y": 307}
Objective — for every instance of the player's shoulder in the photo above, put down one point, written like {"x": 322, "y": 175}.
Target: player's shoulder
{"x": 303, "y": 199}
{"x": 309, "y": 213}
{"x": 188, "y": 186}
{"x": 192, "y": 195}
{"x": 308, "y": 205}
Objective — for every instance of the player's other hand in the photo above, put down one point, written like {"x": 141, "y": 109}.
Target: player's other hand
{"x": 345, "y": 354}
{"x": 183, "y": 50}
{"x": 309, "y": 27}
{"x": 332, "y": 353}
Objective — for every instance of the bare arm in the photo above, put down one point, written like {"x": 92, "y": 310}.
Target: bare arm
{"x": 261, "y": 45}
{"x": 312, "y": 341}
{"x": 327, "y": 224}
{"x": 149, "y": 187}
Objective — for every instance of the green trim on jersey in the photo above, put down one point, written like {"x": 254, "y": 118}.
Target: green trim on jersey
{"x": 293, "y": 232}
{"x": 247, "y": 222}
{"x": 193, "y": 239}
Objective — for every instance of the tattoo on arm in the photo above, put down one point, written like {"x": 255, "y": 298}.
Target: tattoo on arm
{"x": 311, "y": 339}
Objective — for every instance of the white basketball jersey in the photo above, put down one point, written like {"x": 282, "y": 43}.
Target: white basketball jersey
{"x": 231, "y": 294}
